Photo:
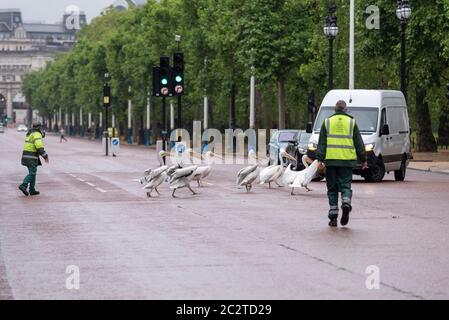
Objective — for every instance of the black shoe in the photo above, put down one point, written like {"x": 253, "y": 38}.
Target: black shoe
{"x": 345, "y": 217}
{"x": 333, "y": 223}
{"x": 24, "y": 190}
{"x": 34, "y": 193}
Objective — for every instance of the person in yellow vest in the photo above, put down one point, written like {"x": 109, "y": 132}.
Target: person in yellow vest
{"x": 32, "y": 149}
{"x": 339, "y": 147}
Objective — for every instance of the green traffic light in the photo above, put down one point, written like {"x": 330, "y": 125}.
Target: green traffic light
{"x": 178, "y": 79}
{"x": 164, "y": 81}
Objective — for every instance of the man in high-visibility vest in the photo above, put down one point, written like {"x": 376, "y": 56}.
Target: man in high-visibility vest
{"x": 339, "y": 147}
{"x": 32, "y": 149}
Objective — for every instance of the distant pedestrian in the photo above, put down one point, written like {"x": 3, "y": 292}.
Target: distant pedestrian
{"x": 62, "y": 137}
{"x": 32, "y": 149}
{"x": 339, "y": 147}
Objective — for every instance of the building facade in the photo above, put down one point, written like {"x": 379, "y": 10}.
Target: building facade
{"x": 25, "y": 47}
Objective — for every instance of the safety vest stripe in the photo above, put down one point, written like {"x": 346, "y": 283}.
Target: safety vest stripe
{"x": 30, "y": 157}
{"x": 336, "y": 136}
{"x": 332, "y": 146}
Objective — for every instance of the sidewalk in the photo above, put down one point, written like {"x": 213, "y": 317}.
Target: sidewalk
{"x": 431, "y": 162}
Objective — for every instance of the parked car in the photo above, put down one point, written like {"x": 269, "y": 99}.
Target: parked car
{"x": 298, "y": 148}
{"x": 22, "y": 128}
{"x": 383, "y": 121}
{"x": 280, "y": 140}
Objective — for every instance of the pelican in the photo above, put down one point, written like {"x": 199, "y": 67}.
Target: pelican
{"x": 248, "y": 175}
{"x": 203, "y": 172}
{"x": 160, "y": 157}
{"x": 153, "y": 178}
{"x": 274, "y": 172}
{"x": 180, "y": 178}
{"x": 299, "y": 179}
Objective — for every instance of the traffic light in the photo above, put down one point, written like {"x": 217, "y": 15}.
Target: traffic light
{"x": 6, "y": 119}
{"x": 106, "y": 95}
{"x": 311, "y": 102}
{"x": 178, "y": 74}
{"x": 165, "y": 80}
{"x": 156, "y": 82}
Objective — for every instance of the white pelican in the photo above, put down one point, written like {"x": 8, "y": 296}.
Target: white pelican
{"x": 203, "y": 172}
{"x": 299, "y": 179}
{"x": 153, "y": 178}
{"x": 160, "y": 157}
{"x": 248, "y": 175}
{"x": 181, "y": 179}
{"x": 274, "y": 172}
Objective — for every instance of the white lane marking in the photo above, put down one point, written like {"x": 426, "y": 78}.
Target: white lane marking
{"x": 79, "y": 179}
{"x": 90, "y": 184}
{"x": 101, "y": 190}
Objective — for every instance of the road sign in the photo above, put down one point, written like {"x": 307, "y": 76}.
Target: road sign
{"x": 115, "y": 146}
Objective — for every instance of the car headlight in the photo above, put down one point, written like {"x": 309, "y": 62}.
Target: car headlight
{"x": 312, "y": 146}
{"x": 369, "y": 147}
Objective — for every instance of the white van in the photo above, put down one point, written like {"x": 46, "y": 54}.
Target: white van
{"x": 382, "y": 118}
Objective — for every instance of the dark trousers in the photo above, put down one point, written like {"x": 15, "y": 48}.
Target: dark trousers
{"x": 30, "y": 179}
{"x": 339, "y": 180}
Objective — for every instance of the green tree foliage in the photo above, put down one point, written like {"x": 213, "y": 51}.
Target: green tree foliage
{"x": 221, "y": 40}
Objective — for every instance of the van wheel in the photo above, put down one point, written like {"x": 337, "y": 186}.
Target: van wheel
{"x": 375, "y": 173}
{"x": 399, "y": 175}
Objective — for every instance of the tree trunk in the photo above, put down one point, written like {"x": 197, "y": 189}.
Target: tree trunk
{"x": 281, "y": 106}
{"x": 443, "y": 127}
{"x": 425, "y": 141}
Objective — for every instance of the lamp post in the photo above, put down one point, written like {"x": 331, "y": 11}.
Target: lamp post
{"x": 179, "y": 116}
{"x": 403, "y": 12}
{"x": 331, "y": 30}
{"x": 106, "y": 104}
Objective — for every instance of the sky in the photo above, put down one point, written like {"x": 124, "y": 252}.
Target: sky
{"x": 51, "y": 11}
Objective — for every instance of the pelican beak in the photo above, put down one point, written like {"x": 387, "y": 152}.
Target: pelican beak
{"x": 286, "y": 155}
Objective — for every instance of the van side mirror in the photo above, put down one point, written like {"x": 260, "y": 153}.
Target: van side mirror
{"x": 309, "y": 128}
{"x": 385, "y": 130}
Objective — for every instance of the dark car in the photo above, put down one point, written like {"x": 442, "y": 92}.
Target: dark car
{"x": 280, "y": 140}
{"x": 297, "y": 148}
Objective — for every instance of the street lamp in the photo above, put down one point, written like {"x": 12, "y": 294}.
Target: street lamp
{"x": 106, "y": 104}
{"x": 179, "y": 117}
{"x": 403, "y": 12}
{"x": 331, "y": 30}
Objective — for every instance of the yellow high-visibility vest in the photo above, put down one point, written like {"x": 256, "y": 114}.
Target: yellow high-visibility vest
{"x": 340, "y": 138}
{"x": 33, "y": 143}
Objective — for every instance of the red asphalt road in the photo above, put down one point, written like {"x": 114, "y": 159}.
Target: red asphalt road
{"x": 220, "y": 244}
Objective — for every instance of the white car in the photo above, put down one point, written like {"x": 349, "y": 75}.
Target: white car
{"x": 383, "y": 121}
{"x": 22, "y": 128}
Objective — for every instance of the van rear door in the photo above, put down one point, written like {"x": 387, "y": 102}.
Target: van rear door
{"x": 398, "y": 131}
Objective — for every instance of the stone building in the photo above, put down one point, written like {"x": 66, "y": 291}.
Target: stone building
{"x": 25, "y": 47}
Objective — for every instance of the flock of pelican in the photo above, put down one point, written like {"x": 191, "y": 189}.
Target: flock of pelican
{"x": 183, "y": 172}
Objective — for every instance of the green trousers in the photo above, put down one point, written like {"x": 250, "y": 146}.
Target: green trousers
{"x": 339, "y": 180}
{"x": 30, "y": 179}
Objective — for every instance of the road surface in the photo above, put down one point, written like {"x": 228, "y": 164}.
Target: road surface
{"x": 220, "y": 244}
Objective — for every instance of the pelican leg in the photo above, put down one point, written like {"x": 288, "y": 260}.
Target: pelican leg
{"x": 157, "y": 191}
{"x": 149, "y": 194}
{"x": 190, "y": 188}
{"x": 292, "y": 193}
{"x": 278, "y": 184}
{"x": 308, "y": 189}
{"x": 173, "y": 194}
{"x": 246, "y": 186}
{"x": 269, "y": 185}
{"x": 199, "y": 184}
{"x": 250, "y": 187}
